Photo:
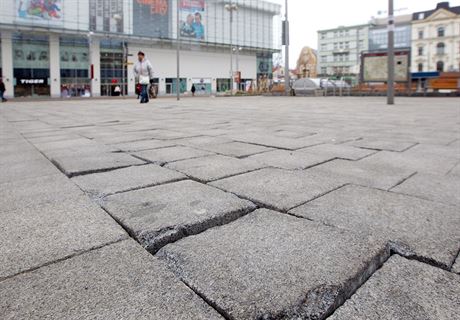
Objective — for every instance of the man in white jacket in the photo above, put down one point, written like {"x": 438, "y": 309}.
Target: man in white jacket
{"x": 143, "y": 71}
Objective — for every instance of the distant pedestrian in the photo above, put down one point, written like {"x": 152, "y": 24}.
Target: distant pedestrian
{"x": 193, "y": 90}
{"x": 2, "y": 91}
{"x": 117, "y": 91}
{"x": 143, "y": 70}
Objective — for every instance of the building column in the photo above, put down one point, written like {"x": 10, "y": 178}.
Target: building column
{"x": 55, "y": 66}
{"x": 95, "y": 66}
{"x": 7, "y": 62}
{"x": 131, "y": 79}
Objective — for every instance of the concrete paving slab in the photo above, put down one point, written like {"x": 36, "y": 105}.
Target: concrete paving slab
{"x": 235, "y": 149}
{"x": 388, "y": 145}
{"x": 269, "y": 265}
{"x": 444, "y": 189}
{"x": 14, "y": 157}
{"x": 119, "y": 281}
{"x": 404, "y": 289}
{"x": 159, "y": 215}
{"x": 370, "y": 174}
{"x": 26, "y": 170}
{"x": 91, "y": 163}
{"x": 290, "y": 160}
{"x": 450, "y": 151}
{"x": 201, "y": 141}
{"x": 49, "y": 231}
{"x": 415, "y": 227}
{"x": 277, "y": 188}
{"x": 165, "y": 155}
{"x": 28, "y": 193}
{"x": 143, "y": 145}
{"x": 341, "y": 151}
{"x": 126, "y": 179}
{"x": 280, "y": 142}
{"x": 431, "y": 164}
{"x": 213, "y": 168}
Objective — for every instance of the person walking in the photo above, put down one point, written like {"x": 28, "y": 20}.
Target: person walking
{"x": 2, "y": 91}
{"x": 193, "y": 90}
{"x": 143, "y": 70}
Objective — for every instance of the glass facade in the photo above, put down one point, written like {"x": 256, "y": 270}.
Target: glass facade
{"x": 31, "y": 65}
{"x": 74, "y": 64}
{"x": 113, "y": 66}
{"x": 378, "y": 38}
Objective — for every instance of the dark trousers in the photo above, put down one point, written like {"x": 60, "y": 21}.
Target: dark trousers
{"x": 144, "y": 93}
{"x": 2, "y": 97}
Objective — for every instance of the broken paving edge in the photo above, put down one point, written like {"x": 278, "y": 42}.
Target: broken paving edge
{"x": 153, "y": 241}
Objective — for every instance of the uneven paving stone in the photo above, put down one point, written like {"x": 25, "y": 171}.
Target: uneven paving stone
{"x": 388, "y": 145}
{"x": 291, "y": 160}
{"x": 26, "y": 170}
{"x": 444, "y": 189}
{"x": 90, "y": 163}
{"x": 451, "y": 151}
{"x": 212, "y": 168}
{"x": 269, "y": 265}
{"x": 277, "y": 188}
{"x": 236, "y": 149}
{"x": 165, "y": 155}
{"x": 341, "y": 151}
{"x": 143, "y": 145}
{"x": 281, "y": 142}
{"x": 415, "y": 227}
{"x": 37, "y": 235}
{"x": 431, "y": 164}
{"x": 28, "y": 193}
{"x": 126, "y": 179}
{"x": 201, "y": 141}
{"x": 14, "y": 157}
{"x": 456, "y": 266}
{"x": 163, "y": 214}
{"x": 405, "y": 289}
{"x": 384, "y": 176}
{"x": 118, "y": 281}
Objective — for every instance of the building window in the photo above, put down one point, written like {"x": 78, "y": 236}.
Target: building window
{"x": 441, "y": 32}
{"x": 420, "y": 51}
{"x": 323, "y": 70}
{"x": 335, "y": 45}
{"x": 420, "y": 34}
{"x": 323, "y": 36}
{"x": 323, "y": 58}
{"x": 420, "y": 67}
{"x": 324, "y": 47}
{"x": 361, "y": 44}
{"x": 421, "y": 16}
{"x": 440, "y": 48}
{"x": 440, "y": 66}
{"x": 347, "y": 45}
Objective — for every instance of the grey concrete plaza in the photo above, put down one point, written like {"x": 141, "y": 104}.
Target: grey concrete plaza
{"x": 230, "y": 208}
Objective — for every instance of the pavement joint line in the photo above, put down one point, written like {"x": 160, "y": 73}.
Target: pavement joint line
{"x": 403, "y": 180}
{"x": 214, "y": 306}
{"x": 452, "y": 142}
{"x": 319, "y": 196}
{"x": 455, "y": 259}
{"x": 70, "y": 256}
{"x": 129, "y": 152}
{"x": 451, "y": 169}
{"x": 225, "y": 177}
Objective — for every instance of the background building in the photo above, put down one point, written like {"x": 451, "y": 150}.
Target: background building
{"x": 436, "y": 39}
{"x": 87, "y": 47}
{"x": 378, "y": 33}
{"x": 339, "y": 50}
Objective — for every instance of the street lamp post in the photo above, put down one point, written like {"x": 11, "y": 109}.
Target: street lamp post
{"x": 391, "y": 54}
{"x": 231, "y": 7}
{"x": 287, "y": 76}
{"x": 178, "y": 52}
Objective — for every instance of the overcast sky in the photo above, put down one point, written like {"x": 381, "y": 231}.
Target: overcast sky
{"x": 308, "y": 16}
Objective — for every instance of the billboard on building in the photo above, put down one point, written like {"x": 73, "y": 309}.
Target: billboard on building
{"x": 106, "y": 15}
{"x": 191, "y": 19}
{"x": 151, "y": 18}
{"x": 48, "y": 12}
{"x": 374, "y": 66}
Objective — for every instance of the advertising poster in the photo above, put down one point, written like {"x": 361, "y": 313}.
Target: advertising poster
{"x": 31, "y": 55}
{"x": 106, "y": 15}
{"x": 191, "y": 19}
{"x": 375, "y": 67}
{"x": 74, "y": 57}
{"x": 40, "y": 11}
{"x": 151, "y": 18}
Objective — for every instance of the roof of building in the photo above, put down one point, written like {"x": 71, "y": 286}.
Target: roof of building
{"x": 422, "y": 15}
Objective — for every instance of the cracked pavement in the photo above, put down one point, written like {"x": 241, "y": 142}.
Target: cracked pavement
{"x": 230, "y": 208}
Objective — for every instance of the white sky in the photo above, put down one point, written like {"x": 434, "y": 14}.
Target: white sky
{"x": 308, "y": 16}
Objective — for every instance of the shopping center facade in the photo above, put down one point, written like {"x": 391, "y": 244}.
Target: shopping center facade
{"x": 87, "y": 47}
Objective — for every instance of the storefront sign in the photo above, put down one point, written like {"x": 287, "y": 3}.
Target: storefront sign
{"x": 33, "y": 81}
